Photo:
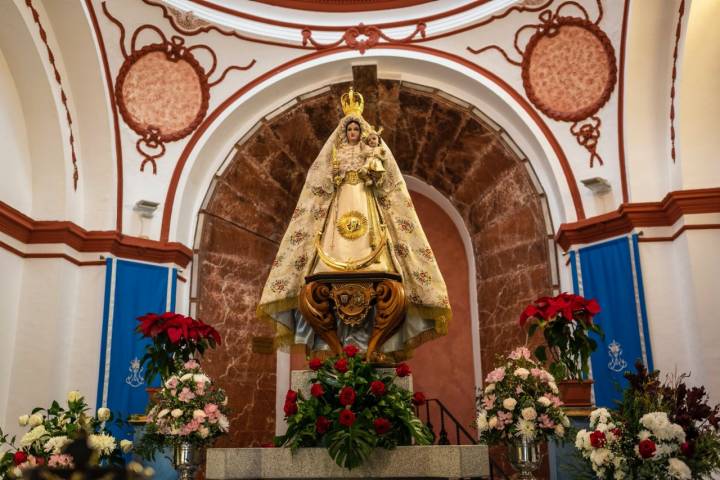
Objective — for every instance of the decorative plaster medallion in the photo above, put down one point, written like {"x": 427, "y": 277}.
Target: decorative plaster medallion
{"x": 569, "y": 70}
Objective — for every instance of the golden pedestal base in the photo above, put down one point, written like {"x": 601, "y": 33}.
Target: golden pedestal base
{"x": 347, "y": 297}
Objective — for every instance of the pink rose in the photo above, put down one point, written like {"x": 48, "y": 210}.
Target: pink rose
{"x": 210, "y": 409}
{"x": 546, "y": 422}
{"x": 496, "y": 375}
{"x": 172, "y": 383}
{"x": 489, "y": 401}
{"x": 504, "y": 418}
{"x": 186, "y": 395}
{"x": 520, "y": 352}
{"x": 191, "y": 364}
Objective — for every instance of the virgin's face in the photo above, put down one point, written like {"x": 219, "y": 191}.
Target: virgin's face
{"x": 352, "y": 131}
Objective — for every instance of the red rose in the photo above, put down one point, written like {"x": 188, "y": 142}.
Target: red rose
{"x": 646, "y": 448}
{"x": 20, "y": 457}
{"x": 597, "y": 439}
{"x": 402, "y": 370}
{"x": 315, "y": 363}
{"x": 317, "y": 390}
{"x": 617, "y": 432}
{"x": 382, "y": 425}
{"x": 290, "y": 408}
{"x": 347, "y": 418}
{"x": 291, "y": 396}
{"x": 347, "y": 396}
{"x": 341, "y": 365}
{"x": 687, "y": 449}
{"x": 377, "y": 388}
{"x": 418, "y": 398}
{"x": 322, "y": 424}
{"x": 351, "y": 350}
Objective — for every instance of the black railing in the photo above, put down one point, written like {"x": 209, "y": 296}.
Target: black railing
{"x": 448, "y": 420}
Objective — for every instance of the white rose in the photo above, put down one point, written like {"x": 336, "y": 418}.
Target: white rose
{"x": 200, "y": 378}
{"x": 528, "y": 413}
{"x": 163, "y": 412}
{"x": 35, "y": 420}
{"x": 600, "y": 456}
{"x": 553, "y": 387}
{"x": 199, "y": 414}
{"x": 492, "y": 423}
{"x": 678, "y": 469}
{"x": 103, "y": 414}
{"x": 559, "y": 431}
{"x": 186, "y": 377}
{"x": 544, "y": 401}
{"x": 176, "y": 413}
{"x": 482, "y": 422}
{"x": 74, "y": 396}
{"x": 23, "y": 420}
{"x": 509, "y": 403}
{"x": 126, "y": 445}
{"x": 522, "y": 373}
{"x": 223, "y": 423}
{"x": 490, "y": 388}
{"x": 204, "y": 432}
{"x": 582, "y": 440}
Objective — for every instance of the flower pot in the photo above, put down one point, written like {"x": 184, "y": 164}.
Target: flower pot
{"x": 524, "y": 456}
{"x": 186, "y": 459}
{"x": 576, "y": 393}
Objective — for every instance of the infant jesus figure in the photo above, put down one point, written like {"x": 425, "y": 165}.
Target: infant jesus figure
{"x": 374, "y": 167}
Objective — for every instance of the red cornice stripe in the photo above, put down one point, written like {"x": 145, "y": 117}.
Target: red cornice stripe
{"x": 632, "y": 215}
{"x": 29, "y": 231}
{"x": 335, "y": 28}
{"x": 63, "y": 256}
{"x": 681, "y": 230}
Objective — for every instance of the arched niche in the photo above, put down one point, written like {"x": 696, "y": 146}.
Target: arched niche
{"x": 451, "y": 148}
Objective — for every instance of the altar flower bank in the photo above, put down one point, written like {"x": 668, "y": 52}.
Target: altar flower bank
{"x": 175, "y": 338}
{"x": 660, "y": 430}
{"x": 54, "y": 428}
{"x": 188, "y": 408}
{"x": 520, "y": 400}
{"x": 352, "y": 409}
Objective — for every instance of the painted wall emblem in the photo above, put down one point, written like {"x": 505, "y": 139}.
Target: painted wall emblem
{"x": 136, "y": 377}
{"x": 617, "y": 364}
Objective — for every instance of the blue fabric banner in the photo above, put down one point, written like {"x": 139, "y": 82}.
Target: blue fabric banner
{"x": 132, "y": 289}
{"x": 610, "y": 273}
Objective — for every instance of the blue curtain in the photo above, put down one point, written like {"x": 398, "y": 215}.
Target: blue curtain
{"x": 131, "y": 289}
{"x": 610, "y": 273}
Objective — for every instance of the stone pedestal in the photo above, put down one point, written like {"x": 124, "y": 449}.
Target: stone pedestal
{"x": 299, "y": 380}
{"x": 433, "y": 461}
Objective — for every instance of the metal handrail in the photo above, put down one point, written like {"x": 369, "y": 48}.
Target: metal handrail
{"x": 443, "y": 439}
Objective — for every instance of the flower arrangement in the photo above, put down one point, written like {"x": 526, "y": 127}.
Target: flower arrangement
{"x": 175, "y": 338}
{"x": 188, "y": 409}
{"x": 52, "y": 429}
{"x": 520, "y": 401}
{"x": 352, "y": 409}
{"x": 566, "y": 321}
{"x": 660, "y": 430}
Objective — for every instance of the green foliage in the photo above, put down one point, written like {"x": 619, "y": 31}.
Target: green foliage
{"x": 350, "y": 445}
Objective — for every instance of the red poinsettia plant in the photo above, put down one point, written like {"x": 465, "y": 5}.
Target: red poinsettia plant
{"x": 566, "y": 322}
{"x": 353, "y": 408}
{"x": 175, "y": 339}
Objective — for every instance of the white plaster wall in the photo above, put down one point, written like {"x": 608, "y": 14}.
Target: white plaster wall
{"x": 11, "y": 279}
{"x": 699, "y": 100}
{"x": 16, "y": 180}
{"x": 704, "y": 264}
{"x": 45, "y": 318}
{"x": 668, "y": 285}
{"x": 648, "y": 66}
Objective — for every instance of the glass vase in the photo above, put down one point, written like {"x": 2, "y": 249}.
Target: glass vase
{"x": 186, "y": 458}
{"x": 524, "y": 456}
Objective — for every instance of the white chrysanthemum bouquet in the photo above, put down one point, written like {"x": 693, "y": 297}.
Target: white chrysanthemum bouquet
{"x": 52, "y": 429}
{"x": 188, "y": 409}
{"x": 659, "y": 430}
{"x": 520, "y": 400}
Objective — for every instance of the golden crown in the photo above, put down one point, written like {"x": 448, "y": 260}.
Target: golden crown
{"x": 352, "y": 102}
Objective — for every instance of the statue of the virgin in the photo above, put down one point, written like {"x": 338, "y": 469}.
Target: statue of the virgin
{"x": 354, "y": 266}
